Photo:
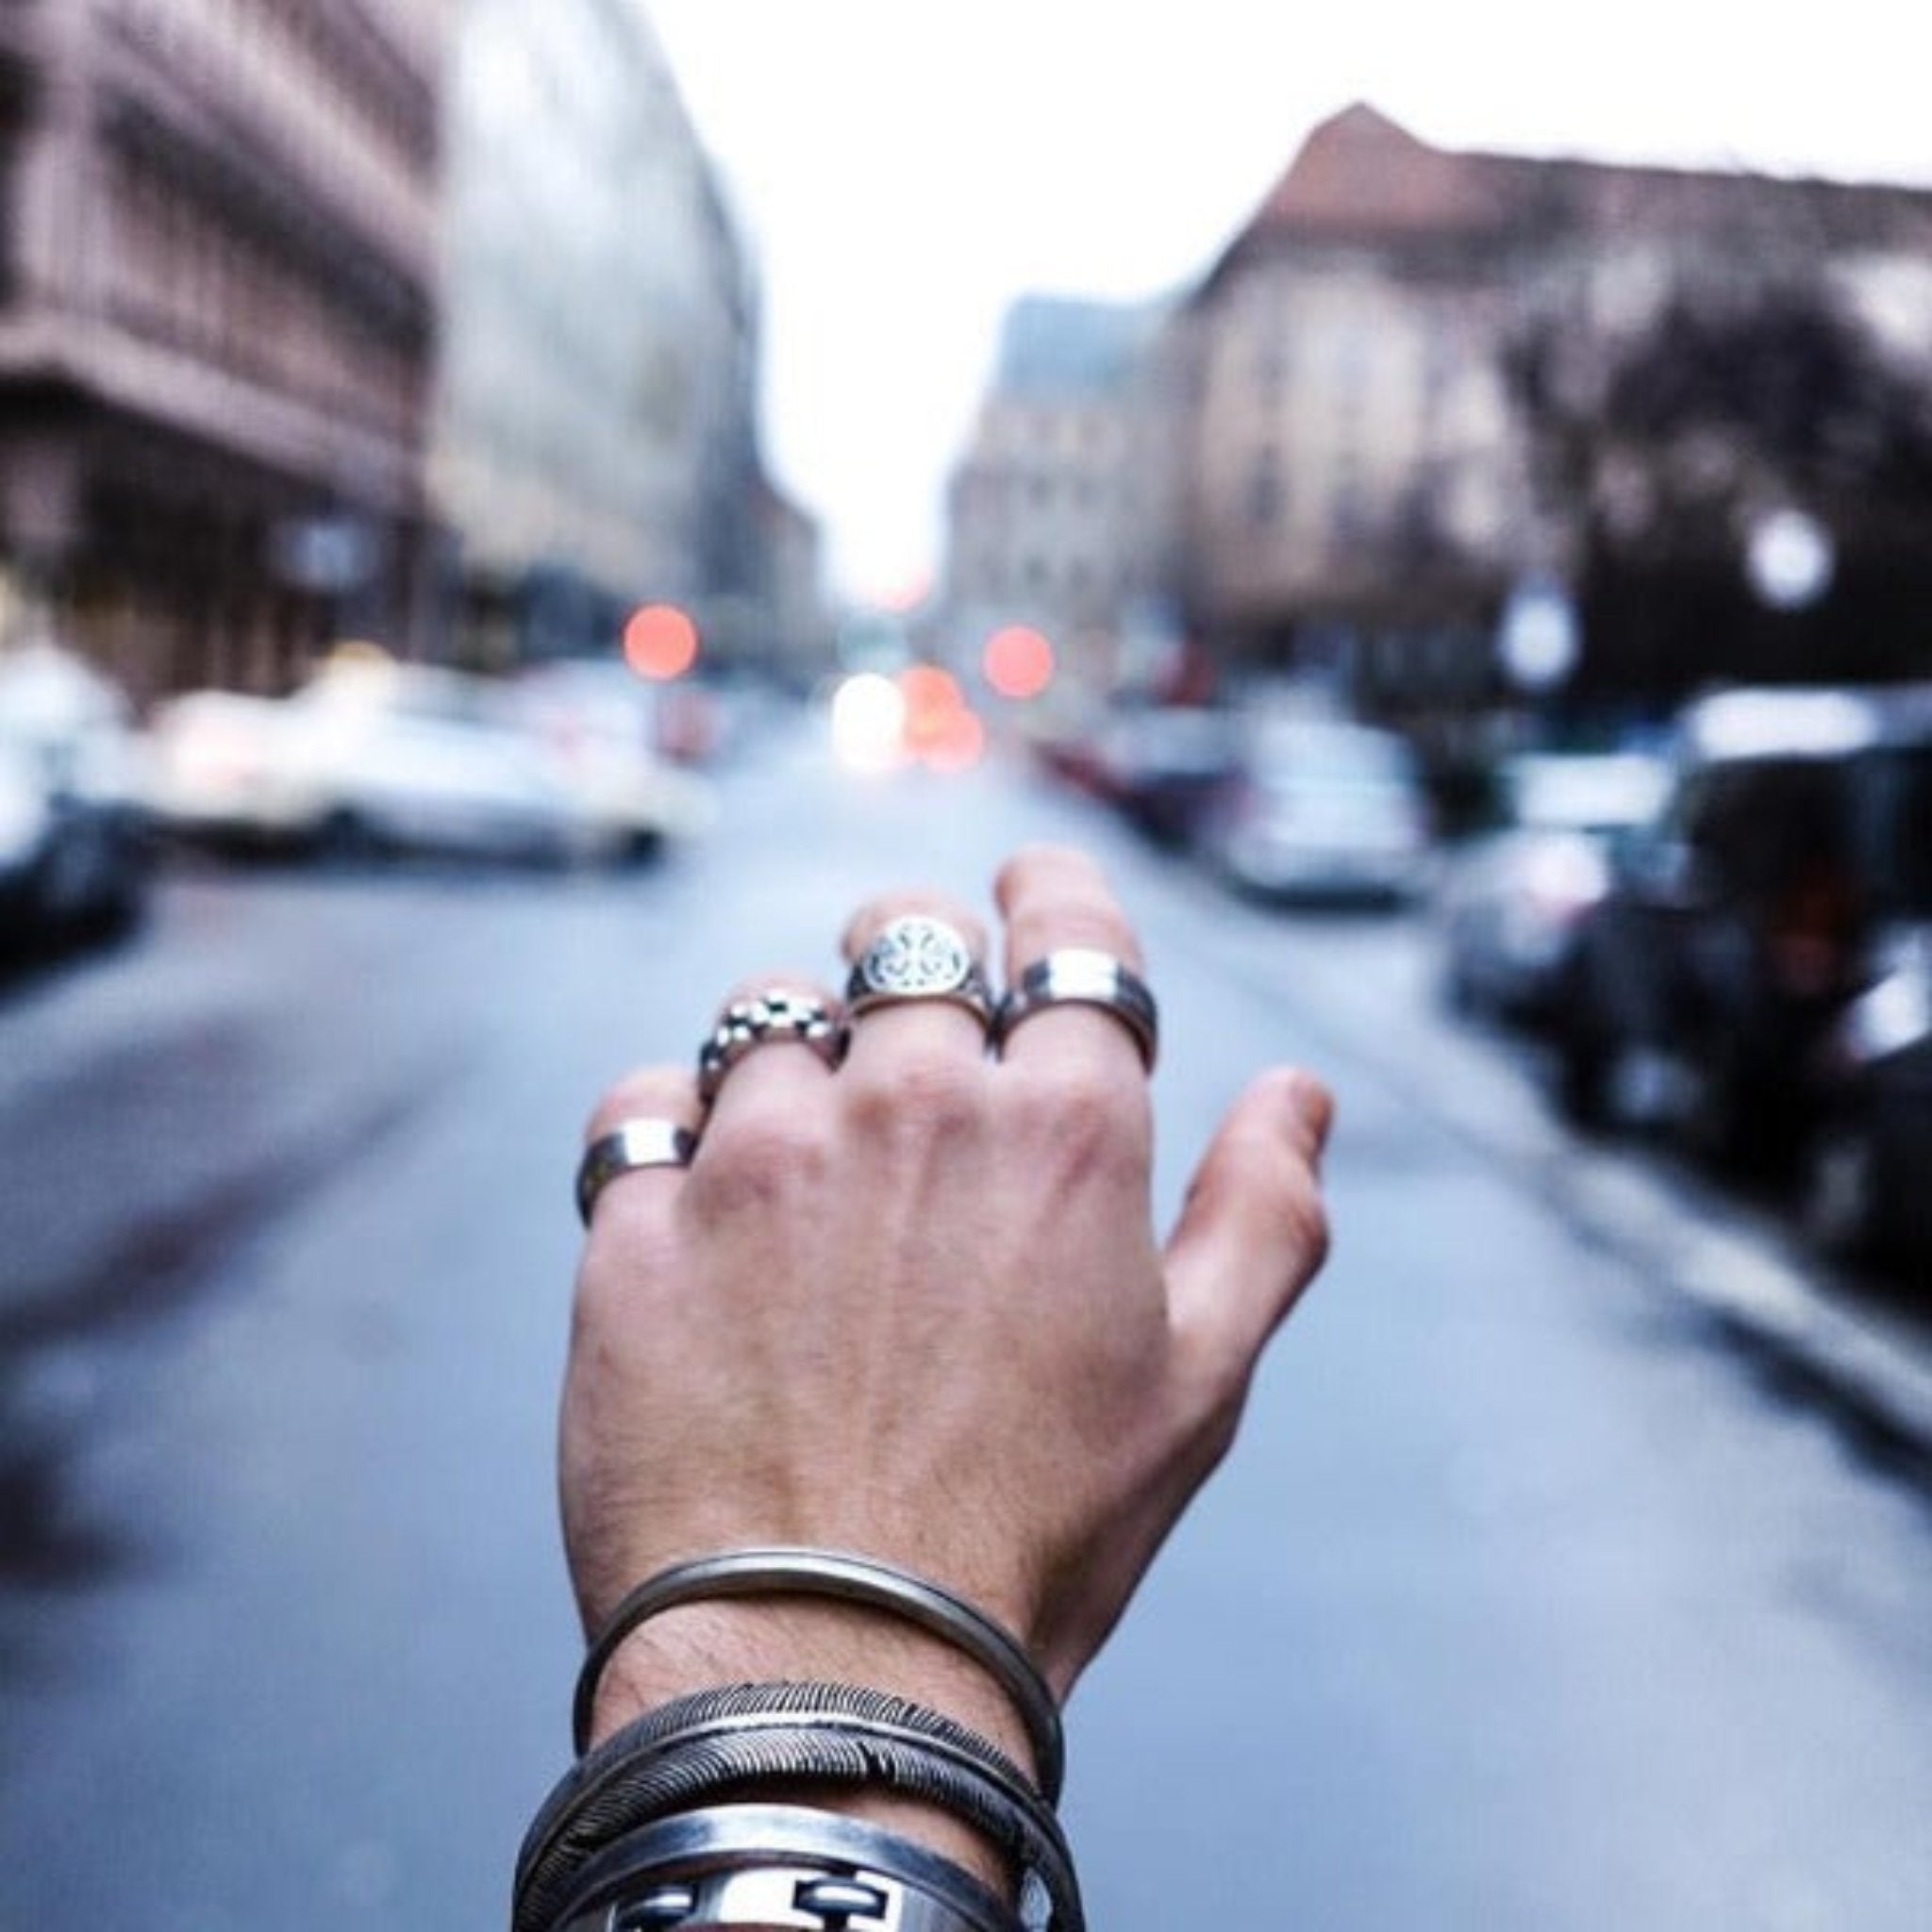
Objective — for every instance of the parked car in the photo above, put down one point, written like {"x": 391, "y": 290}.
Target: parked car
{"x": 1863, "y": 1191}
{"x": 1161, "y": 766}
{"x": 604, "y": 727}
{"x": 1511, "y": 899}
{"x": 1755, "y": 974}
{"x": 1320, "y": 809}
{"x": 373, "y": 756}
{"x": 72, "y": 862}
{"x": 232, "y": 769}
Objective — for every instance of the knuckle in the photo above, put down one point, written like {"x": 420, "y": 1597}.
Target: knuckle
{"x": 925, "y": 1094}
{"x": 1085, "y": 1114}
{"x": 762, "y": 1157}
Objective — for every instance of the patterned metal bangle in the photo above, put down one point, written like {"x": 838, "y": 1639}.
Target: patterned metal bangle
{"x": 788, "y": 1571}
{"x": 716, "y": 1743}
{"x": 778, "y": 1865}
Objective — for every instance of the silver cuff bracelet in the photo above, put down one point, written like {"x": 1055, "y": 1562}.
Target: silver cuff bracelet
{"x": 773, "y": 1865}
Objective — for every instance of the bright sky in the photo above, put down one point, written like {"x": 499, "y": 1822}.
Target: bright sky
{"x": 904, "y": 168}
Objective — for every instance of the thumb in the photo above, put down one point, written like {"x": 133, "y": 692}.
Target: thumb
{"x": 1252, "y": 1231}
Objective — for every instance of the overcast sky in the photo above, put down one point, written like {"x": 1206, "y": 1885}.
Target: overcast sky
{"x": 904, "y": 168}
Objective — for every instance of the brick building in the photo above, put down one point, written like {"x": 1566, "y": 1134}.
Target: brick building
{"x": 218, "y": 232}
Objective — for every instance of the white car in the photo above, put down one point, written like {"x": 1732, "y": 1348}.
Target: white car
{"x": 1321, "y": 809}
{"x": 227, "y": 768}
{"x": 370, "y": 756}
{"x": 601, "y": 722}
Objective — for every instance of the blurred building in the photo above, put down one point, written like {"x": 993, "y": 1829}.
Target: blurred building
{"x": 217, "y": 324}
{"x": 1054, "y": 513}
{"x": 1369, "y": 479}
{"x": 596, "y": 440}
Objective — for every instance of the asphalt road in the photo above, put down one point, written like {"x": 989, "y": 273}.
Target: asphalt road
{"x": 1547, "y": 1588}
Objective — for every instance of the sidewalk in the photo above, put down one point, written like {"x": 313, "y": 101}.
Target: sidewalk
{"x": 1374, "y": 982}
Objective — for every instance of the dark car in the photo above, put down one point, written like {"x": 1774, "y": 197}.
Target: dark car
{"x": 1755, "y": 973}
{"x": 1512, "y": 898}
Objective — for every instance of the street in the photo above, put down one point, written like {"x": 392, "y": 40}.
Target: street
{"x": 1547, "y": 1587}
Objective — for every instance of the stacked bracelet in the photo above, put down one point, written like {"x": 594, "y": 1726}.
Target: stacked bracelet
{"x": 710, "y": 1746}
{"x": 787, "y": 1571}
{"x": 662, "y": 1827}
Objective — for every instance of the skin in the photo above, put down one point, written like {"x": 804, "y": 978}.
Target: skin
{"x": 916, "y": 1308}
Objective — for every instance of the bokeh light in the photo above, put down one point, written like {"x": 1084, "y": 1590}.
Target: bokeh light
{"x": 1017, "y": 661}
{"x": 869, "y": 723}
{"x": 661, "y": 641}
{"x": 958, "y": 746}
{"x": 941, "y": 730}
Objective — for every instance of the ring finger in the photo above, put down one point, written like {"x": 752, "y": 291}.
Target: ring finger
{"x": 739, "y": 1063}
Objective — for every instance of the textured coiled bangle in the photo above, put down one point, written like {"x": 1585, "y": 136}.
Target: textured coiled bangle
{"x": 716, "y": 1743}
{"x": 791, "y": 1571}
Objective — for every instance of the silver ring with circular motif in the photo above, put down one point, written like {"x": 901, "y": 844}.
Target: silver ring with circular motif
{"x": 775, "y": 1014}
{"x": 1082, "y": 976}
{"x": 917, "y": 957}
{"x": 646, "y": 1141}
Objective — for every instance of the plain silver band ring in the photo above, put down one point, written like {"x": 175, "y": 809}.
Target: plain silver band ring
{"x": 1082, "y": 976}
{"x": 775, "y": 1014}
{"x": 916, "y": 956}
{"x": 788, "y": 1571}
{"x": 646, "y": 1141}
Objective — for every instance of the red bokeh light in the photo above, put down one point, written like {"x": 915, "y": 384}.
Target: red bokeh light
{"x": 661, "y": 641}
{"x": 940, "y": 730}
{"x": 959, "y": 746}
{"x": 1017, "y": 661}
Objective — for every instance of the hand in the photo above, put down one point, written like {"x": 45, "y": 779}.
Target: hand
{"x": 915, "y": 1309}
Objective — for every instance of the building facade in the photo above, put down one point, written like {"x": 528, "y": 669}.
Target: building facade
{"x": 1053, "y": 513}
{"x": 1367, "y": 476}
{"x": 218, "y": 264}
{"x": 595, "y": 440}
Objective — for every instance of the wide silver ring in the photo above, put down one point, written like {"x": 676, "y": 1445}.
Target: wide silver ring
{"x": 918, "y": 958}
{"x": 646, "y": 1141}
{"x": 1082, "y": 976}
{"x": 776, "y": 1013}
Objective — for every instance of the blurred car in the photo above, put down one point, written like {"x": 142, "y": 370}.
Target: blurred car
{"x": 72, "y": 862}
{"x": 231, "y": 770}
{"x": 1161, "y": 766}
{"x": 1321, "y": 810}
{"x": 604, "y": 726}
{"x": 1755, "y": 973}
{"x": 1511, "y": 899}
{"x": 1863, "y": 1191}
{"x": 373, "y": 756}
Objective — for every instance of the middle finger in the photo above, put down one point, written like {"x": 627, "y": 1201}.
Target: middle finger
{"x": 918, "y": 978}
